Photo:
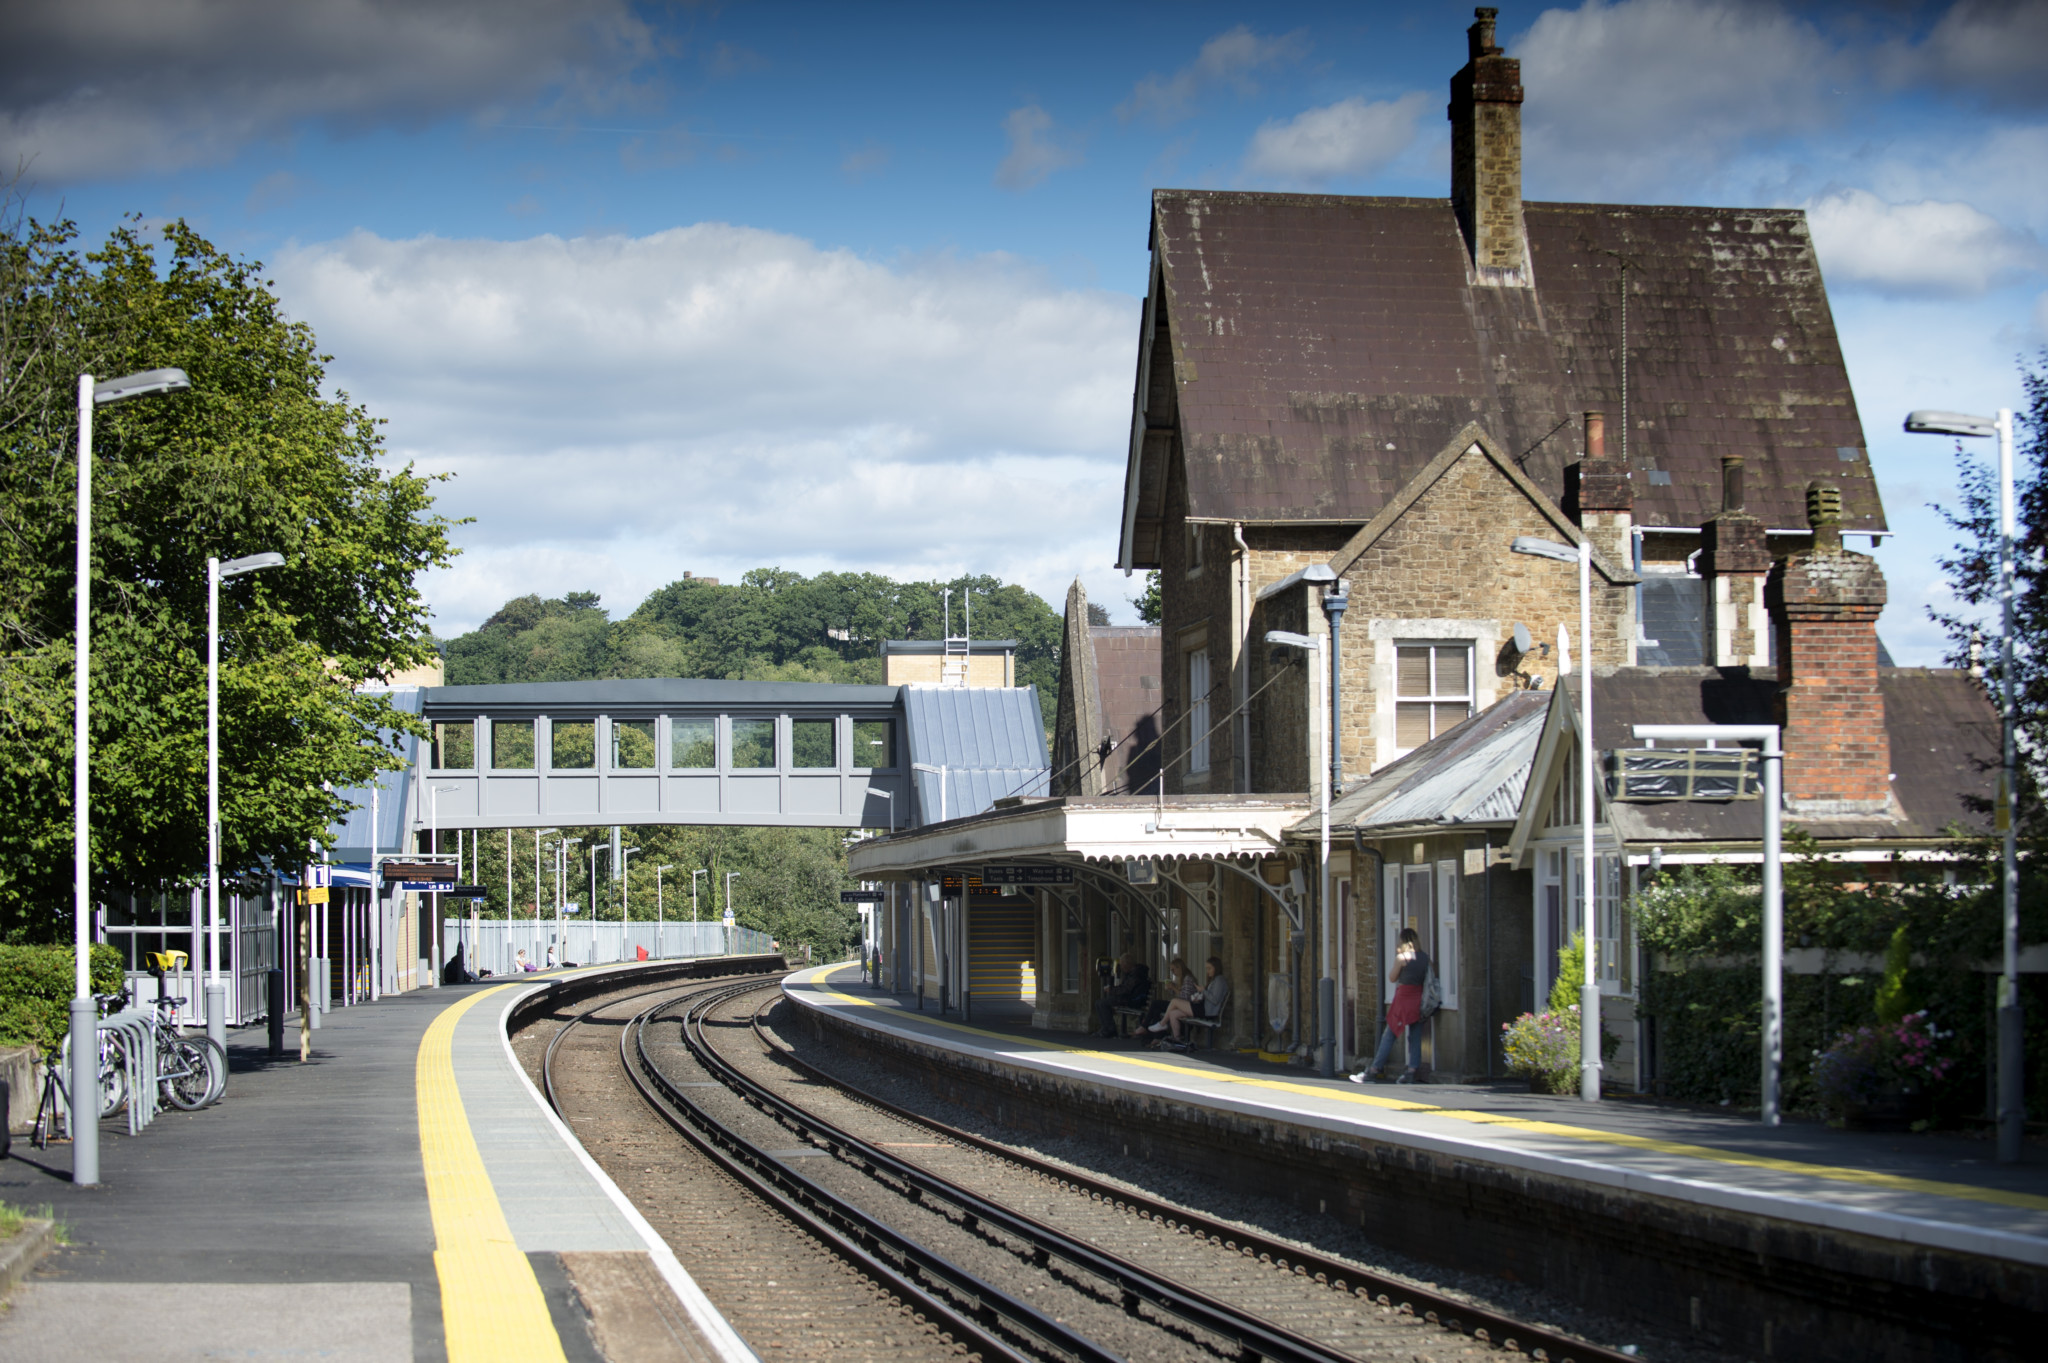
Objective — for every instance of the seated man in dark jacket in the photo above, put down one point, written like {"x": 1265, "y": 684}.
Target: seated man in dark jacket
{"x": 1129, "y": 987}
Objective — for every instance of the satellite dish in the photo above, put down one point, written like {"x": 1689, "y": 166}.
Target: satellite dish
{"x": 1522, "y": 641}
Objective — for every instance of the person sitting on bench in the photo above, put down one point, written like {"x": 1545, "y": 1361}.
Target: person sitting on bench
{"x": 1129, "y": 987}
{"x": 1207, "y": 1005}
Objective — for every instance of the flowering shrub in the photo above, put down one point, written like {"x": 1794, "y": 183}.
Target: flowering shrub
{"x": 1544, "y": 1045}
{"x": 1872, "y": 1061}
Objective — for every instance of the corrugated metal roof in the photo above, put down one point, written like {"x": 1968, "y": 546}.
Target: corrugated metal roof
{"x": 1476, "y": 773}
{"x": 990, "y": 740}
{"x": 352, "y": 834}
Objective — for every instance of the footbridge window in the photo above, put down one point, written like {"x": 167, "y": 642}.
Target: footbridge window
{"x": 811, "y": 746}
{"x": 753, "y": 743}
{"x": 693, "y": 743}
{"x": 455, "y": 745}
{"x": 632, "y": 744}
{"x": 572, "y": 745}
{"x": 512, "y": 744}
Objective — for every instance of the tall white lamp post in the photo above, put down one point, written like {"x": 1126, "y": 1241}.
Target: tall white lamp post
{"x": 85, "y": 1021}
{"x": 700, "y": 871}
{"x": 216, "y": 988}
{"x": 2012, "y": 1107}
{"x": 731, "y": 922}
{"x": 538, "y": 834}
{"x": 1589, "y": 881}
{"x": 658, "y": 920}
{"x": 625, "y": 896}
{"x": 1319, "y": 724}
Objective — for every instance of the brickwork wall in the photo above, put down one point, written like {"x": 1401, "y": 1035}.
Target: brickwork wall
{"x": 1836, "y": 748}
{"x": 1448, "y": 559}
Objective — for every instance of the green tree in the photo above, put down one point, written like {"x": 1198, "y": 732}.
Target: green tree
{"x": 254, "y": 457}
{"x": 1150, "y": 608}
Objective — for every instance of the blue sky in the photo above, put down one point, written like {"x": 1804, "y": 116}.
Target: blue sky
{"x": 710, "y": 287}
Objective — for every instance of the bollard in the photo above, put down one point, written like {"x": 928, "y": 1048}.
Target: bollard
{"x": 273, "y": 999}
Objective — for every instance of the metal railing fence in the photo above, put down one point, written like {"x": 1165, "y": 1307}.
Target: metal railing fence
{"x": 497, "y": 942}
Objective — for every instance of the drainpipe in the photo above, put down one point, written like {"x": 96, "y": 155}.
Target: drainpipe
{"x": 1335, "y": 601}
{"x": 1243, "y": 754}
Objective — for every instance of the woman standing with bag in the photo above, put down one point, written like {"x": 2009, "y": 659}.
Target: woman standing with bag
{"x": 1411, "y": 972}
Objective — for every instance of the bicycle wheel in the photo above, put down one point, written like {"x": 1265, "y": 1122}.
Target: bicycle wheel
{"x": 216, "y": 1069}
{"x": 113, "y": 1082}
{"x": 186, "y": 1076}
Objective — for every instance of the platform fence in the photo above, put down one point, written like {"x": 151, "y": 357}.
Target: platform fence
{"x": 496, "y": 943}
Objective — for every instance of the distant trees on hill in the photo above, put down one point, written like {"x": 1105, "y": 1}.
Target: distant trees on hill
{"x": 773, "y": 625}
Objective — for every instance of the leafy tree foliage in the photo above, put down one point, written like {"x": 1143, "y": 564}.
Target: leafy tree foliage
{"x": 774, "y": 625}
{"x": 1150, "y": 608}
{"x": 253, "y": 458}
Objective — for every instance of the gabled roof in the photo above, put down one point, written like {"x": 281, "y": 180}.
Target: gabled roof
{"x": 1944, "y": 750}
{"x": 989, "y": 740}
{"x": 1472, "y": 775}
{"x": 1324, "y": 348}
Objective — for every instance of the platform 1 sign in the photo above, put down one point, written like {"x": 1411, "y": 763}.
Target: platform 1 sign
{"x": 465, "y": 892}
{"x": 861, "y": 896}
{"x": 1027, "y": 875}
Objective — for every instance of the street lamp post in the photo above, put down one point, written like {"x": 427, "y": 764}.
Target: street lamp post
{"x": 85, "y": 1021}
{"x": 216, "y": 988}
{"x": 538, "y": 835}
{"x": 1589, "y": 880}
{"x": 434, "y": 842}
{"x": 1326, "y": 986}
{"x": 658, "y": 920}
{"x": 1774, "y": 880}
{"x": 731, "y": 922}
{"x": 625, "y": 896}
{"x": 2012, "y": 1109}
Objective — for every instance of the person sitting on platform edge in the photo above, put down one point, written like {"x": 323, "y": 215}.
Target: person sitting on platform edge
{"x": 1404, "y": 1014}
{"x": 1206, "y": 1003}
{"x": 1129, "y": 987}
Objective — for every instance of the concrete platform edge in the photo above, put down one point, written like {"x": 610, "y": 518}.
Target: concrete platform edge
{"x": 24, "y": 1249}
{"x": 710, "y": 1323}
{"x": 1965, "y": 1239}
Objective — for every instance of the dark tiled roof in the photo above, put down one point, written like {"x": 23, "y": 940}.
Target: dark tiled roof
{"x": 1326, "y": 347}
{"x": 1944, "y": 746}
{"x": 1127, "y": 676}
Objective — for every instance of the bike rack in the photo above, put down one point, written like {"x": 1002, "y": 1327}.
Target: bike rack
{"x": 134, "y": 1031}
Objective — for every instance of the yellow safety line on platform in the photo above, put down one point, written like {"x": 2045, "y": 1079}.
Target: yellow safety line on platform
{"x": 1897, "y": 1183}
{"x": 492, "y": 1308}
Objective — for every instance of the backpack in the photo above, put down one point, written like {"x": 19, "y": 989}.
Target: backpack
{"x": 1432, "y": 993}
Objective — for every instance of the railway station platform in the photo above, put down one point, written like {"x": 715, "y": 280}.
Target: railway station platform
{"x": 405, "y": 1195}
{"x": 1701, "y": 1221}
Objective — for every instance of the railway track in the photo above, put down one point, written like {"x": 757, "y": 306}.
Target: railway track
{"x": 970, "y": 1246}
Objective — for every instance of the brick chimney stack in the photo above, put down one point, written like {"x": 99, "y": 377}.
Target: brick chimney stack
{"x": 1486, "y": 157}
{"x": 1736, "y": 562}
{"x": 1599, "y": 494}
{"x": 1827, "y": 600}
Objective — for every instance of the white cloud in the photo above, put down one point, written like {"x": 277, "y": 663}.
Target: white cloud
{"x": 1348, "y": 139}
{"x": 98, "y": 88}
{"x": 1031, "y": 157}
{"x": 1927, "y": 247}
{"x": 1633, "y": 97}
{"x": 1227, "y": 59}
{"x": 716, "y": 398}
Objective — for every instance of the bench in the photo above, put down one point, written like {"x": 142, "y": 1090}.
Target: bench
{"x": 1127, "y": 1019}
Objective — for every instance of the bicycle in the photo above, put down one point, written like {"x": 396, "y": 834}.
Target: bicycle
{"x": 191, "y": 1071}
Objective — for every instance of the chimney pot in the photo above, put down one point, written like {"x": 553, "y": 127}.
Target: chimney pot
{"x": 1824, "y": 514}
{"x": 1596, "y": 435}
{"x": 1731, "y": 482}
{"x": 1479, "y": 37}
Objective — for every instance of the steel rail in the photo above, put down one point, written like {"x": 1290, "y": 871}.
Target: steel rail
{"x": 1254, "y": 1337}
{"x": 1482, "y": 1324}
{"x": 893, "y": 1260}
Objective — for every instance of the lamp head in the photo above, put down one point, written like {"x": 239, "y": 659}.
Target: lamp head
{"x": 251, "y": 563}
{"x": 139, "y": 385}
{"x": 1539, "y": 548}
{"x": 1930, "y": 422}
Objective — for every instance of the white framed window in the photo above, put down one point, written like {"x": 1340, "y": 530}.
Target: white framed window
{"x": 1432, "y": 690}
{"x": 1446, "y": 953}
{"x": 1424, "y": 896}
{"x": 1198, "y": 710}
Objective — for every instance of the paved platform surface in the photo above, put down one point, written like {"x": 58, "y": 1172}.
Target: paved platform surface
{"x": 1930, "y": 1190}
{"x": 404, "y": 1195}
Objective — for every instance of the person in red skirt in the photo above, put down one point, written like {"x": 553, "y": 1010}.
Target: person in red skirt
{"x": 1404, "y": 1014}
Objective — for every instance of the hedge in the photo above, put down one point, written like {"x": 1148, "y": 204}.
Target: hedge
{"x": 36, "y": 984}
